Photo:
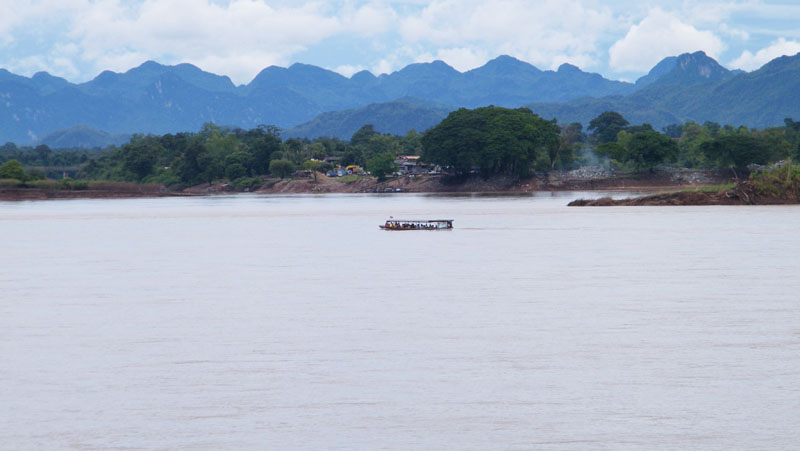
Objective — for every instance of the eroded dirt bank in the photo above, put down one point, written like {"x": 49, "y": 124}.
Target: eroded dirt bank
{"x": 743, "y": 193}
{"x": 584, "y": 179}
{"x": 19, "y": 194}
{"x": 579, "y": 180}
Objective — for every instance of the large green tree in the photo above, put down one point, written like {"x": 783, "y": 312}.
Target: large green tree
{"x": 737, "y": 151}
{"x": 12, "y": 169}
{"x": 140, "y": 155}
{"x": 496, "y": 140}
{"x": 606, "y": 126}
{"x": 281, "y": 168}
{"x": 647, "y": 149}
{"x": 380, "y": 165}
{"x": 314, "y": 166}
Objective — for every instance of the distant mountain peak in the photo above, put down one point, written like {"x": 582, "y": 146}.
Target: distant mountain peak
{"x": 663, "y": 67}
{"x": 438, "y": 65}
{"x": 150, "y": 64}
{"x": 700, "y": 64}
{"x": 506, "y": 60}
{"x": 685, "y": 70}
{"x": 363, "y": 75}
{"x": 566, "y": 67}
{"x": 506, "y": 65}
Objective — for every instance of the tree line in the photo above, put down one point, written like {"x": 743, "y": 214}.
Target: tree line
{"x": 489, "y": 140}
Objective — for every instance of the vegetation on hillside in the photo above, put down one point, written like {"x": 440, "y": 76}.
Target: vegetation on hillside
{"x": 494, "y": 140}
{"x": 489, "y": 141}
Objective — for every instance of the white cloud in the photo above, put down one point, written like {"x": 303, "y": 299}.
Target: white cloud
{"x": 79, "y": 38}
{"x": 348, "y": 70}
{"x": 545, "y": 33}
{"x": 657, "y": 36}
{"x": 369, "y": 19}
{"x": 460, "y": 58}
{"x": 749, "y": 61}
{"x": 383, "y": 66}
{"x": 238, "y": 39}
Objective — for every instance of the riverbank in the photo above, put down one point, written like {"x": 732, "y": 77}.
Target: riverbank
{"x": 777, "y": 186}
{"x": 584, "y": 179}
{"x": 91, "y": 190}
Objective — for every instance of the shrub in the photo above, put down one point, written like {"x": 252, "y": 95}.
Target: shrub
{"x": 783, "y": 181}
{"x": 10, "y": 183}
{"x": 44, "y": 184}
{"x": 243, "y": 183}
{"x": 12, "y": 169}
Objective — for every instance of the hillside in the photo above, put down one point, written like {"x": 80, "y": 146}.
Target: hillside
{"x": 82, "y": 137}
{"x": 312, "y": 101}
{"x": 697, "y": 88}
{"x": 396, "y": 117}
{"x": 156, "y": 98}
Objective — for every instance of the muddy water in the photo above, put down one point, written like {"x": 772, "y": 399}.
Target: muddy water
{"x": 254, "y": 322}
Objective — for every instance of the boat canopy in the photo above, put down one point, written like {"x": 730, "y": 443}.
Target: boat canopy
{"x": 419, "y": 221}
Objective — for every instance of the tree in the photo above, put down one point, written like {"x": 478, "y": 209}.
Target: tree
{"x": 570, "y": 143}
{"x": 261, "y": 145}
{"x": 612, "y": 151}
{"x": 43, "y": 154}
{"x": 648, "y": 149}
{"x": 281, "y": 168}
{"x": 606, "y": 126}
{"x": 139, "y": 156}
{"x": 314, "y": 166}
{"x": 240, "y": 158}
{"x": 188, "y": 166}
{"x": 713, "y": 128}
{"x": 235, "y": 171}
{"x": 673, "y": 130}
{"x": 645, "y": 127}
{"x": 363, "y": 135}
{"x": 12, "y": 169}
{"x": 380, "y": 165}
{"x": 353, "y": 155}
{"x": 318, "y": 151}
{"x": 736, "y": 151}
{"x": 293, "y": 150}
{"x": 496, "y": 140}
{"x": 411, "y": 143}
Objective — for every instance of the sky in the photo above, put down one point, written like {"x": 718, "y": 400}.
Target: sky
{"x": 622, "y": 39}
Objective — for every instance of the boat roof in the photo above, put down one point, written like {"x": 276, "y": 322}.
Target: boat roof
{"x": 420, "y": 220}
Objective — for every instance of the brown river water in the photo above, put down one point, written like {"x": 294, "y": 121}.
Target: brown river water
{"x": 293, "y": 322}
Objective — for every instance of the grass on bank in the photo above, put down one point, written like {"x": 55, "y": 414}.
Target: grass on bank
{"x": 78, "y": 185}
{"x": 347, "y": 178}
{"x": 782, "y": 182}
{"x": 710, "y": 188}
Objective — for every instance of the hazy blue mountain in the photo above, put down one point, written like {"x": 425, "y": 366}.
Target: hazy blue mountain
{"x": 433, "y": 81}
{"x": 322, "y": 88}
{"x": 82, "y": 136}
{"x": 397, "y": 117}
{"x": 156, "y": 98}
{"x": 131, "y": 84}
{"x": 662, "y": 68}
{"x": 760, "y": 98}
{"x": 697, "y": 88}
{"x": 693, "y": 68}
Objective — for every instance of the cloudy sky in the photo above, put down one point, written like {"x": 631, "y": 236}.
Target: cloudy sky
{"x": 622, "y": 39}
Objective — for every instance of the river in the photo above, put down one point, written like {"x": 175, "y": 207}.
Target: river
{"x": 293, "y": 322}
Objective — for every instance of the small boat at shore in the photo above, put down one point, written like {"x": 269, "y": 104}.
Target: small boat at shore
{"x": 418, "y": 224}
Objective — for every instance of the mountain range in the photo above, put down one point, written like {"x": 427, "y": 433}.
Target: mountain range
{"x": 155, "y": 98}
{"x": 694, "y": 87}
{"x": 310, "y": 101}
